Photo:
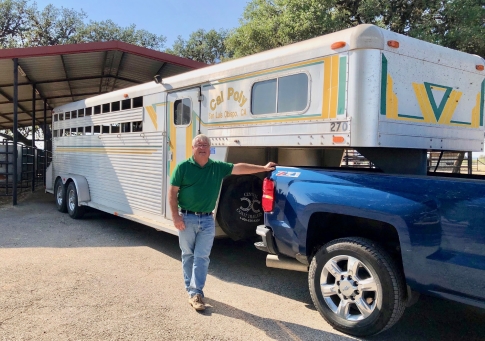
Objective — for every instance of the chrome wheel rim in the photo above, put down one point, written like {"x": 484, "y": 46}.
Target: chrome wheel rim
{"x": 71, "y": 200}
{"x": 59, "y": 195}
{"x": 349, "y": 288}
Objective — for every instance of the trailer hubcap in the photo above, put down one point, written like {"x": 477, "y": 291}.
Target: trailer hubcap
{"x": 59, "y": 195}
{"x": 71, "y": 200}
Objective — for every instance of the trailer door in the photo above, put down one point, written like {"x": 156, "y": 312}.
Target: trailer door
{"x": 183, "y": 112}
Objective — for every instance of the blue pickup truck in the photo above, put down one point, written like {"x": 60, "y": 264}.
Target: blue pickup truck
{"x": 372, "y": 242}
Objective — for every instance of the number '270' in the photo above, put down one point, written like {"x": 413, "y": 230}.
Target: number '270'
{"x": 339, "y": 126}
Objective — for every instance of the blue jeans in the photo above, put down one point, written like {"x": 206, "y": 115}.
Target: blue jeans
{"x": 196, "y": 244}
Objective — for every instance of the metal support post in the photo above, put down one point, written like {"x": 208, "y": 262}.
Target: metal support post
{"x": 34, "y": 163}
{"x": 15, "y": 127}
{"x": 45, "y": 141}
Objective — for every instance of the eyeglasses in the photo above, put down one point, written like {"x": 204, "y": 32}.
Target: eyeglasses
{"x": 205, "y": 145}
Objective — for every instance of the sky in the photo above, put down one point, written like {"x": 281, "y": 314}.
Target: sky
{"x": 169, "y": 18}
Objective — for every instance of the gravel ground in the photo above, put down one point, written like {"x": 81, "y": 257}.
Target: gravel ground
{"x": 106, "y": 278}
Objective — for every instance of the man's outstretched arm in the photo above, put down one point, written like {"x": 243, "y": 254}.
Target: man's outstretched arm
{"x": 248, "y": 168}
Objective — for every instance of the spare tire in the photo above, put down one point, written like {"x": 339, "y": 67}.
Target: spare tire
{"x": 239, "y": 211}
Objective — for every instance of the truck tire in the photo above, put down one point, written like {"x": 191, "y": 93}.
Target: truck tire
{"x": 60, "y": 195}
{"x": 73, "y": 209}
{"x": 239, "y": 211}
{"x": 356, "y": 286}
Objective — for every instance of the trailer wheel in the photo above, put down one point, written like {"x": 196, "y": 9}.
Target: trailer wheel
{"x": 75, "y": 211}
{"x": 60, "y": 195}
{"x": 239, "y": 211}
{"x": 356, "y": 286}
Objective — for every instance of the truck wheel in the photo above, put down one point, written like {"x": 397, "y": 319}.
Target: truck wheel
{"x": 75, "y": 211}
{"x": 240, "y": 211}
{"x": 356, "y": 286}
{"x": 60, "y": 195}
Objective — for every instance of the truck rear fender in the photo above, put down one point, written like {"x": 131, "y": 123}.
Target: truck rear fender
{"x": 324, "y": 227}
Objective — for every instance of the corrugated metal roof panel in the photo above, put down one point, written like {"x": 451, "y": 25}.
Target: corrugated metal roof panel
{"x": 85, "y": 65}
{"x": 66, "y": 73}
{"x": 41, "y": 68}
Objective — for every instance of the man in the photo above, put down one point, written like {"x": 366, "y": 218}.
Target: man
{"x": 195, "y": 185}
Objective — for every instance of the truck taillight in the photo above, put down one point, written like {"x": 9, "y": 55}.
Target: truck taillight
{"x": 268, "y": 195}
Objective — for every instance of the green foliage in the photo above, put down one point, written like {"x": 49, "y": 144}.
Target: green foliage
{"x": 22, "y": 24}
{"x": 267, "y": 24}
{"x": 457, "y": 24}
{"x": 13, "y": 21}
{"x": 108, "y": 30}
{"x": 203, "y": 46}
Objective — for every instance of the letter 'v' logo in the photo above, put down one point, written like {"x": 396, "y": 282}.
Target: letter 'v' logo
{"x": 437, "y": 102}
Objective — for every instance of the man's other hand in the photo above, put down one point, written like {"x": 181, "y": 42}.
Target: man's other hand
{"x": 178, "y": 221}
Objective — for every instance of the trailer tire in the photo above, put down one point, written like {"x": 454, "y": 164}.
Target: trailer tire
{"x": 356, "y": 286}
{"x": 239, "y": 211}
{"x": 60, "y": 196}
{"x": 73, "y": 209}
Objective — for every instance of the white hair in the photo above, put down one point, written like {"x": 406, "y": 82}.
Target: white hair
{"x": 201, "y": 138}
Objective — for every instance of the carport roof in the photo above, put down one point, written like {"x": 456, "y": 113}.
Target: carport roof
{"x": 65, "y": 73}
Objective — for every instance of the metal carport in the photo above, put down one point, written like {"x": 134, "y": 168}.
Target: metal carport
{"x": 37, "y": 79}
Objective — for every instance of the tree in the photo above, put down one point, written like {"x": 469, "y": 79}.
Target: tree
{"x": 13, "y": 21}
{"x": 22, "y": 24}
{"x": 203, "y": 46}
{"x": 107, "y": 30}
{"x": 267, "y": 24}
{"x": 457, "y": 24}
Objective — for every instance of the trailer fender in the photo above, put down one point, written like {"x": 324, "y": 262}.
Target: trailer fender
{"x": 82, "y": 186}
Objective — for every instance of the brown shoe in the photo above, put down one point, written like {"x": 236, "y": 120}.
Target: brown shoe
{"x": 197, "y": 302}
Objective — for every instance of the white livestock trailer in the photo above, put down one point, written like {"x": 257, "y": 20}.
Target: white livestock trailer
{"x": 391, "y": 97}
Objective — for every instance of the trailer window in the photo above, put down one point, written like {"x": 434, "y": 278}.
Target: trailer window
{"x": 115, "y": 128}
{"x": 96, "y": 130}
{"x": 182, "y": 111}
{"x": 138, "y": 102}
{"x": 87, "y": 130}
{"x": 125, "y": 127}
{"x": 105, "y": 129}
{"x": 115, "y": 106}
{"x": 89, "y": 111}
{"x": 105, "y": 108}
{"x": 263, "y": 97}
{"x": 55, "y": 117}
{"x": 80, "y": 131}
{"x": 67, "y": 115}
{"x": 293, "y": 93}
{"x": 137, "y": 126}
{"x": 55, "y": 133}
{"x": 126, "y": 104}
{"x": 280, "y": 95}
{"x": 74, "y": 114}
{"x": 80, "y": 113}
{"x": 61, "y": 116}
{"x": 97, "y": 110}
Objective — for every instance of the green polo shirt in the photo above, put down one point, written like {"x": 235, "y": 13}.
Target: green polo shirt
{"x": 199, "y": 186}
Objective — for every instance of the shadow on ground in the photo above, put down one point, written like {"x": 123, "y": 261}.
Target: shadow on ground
{"x": 35, "y": 222}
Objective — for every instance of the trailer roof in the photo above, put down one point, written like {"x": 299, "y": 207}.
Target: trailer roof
{"x": 65, "y": 73}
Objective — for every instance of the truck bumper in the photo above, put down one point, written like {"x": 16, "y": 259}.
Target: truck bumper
{"x": 267, "y": 243}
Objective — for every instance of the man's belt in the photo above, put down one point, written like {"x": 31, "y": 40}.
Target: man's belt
{"x": 196, "y": 213}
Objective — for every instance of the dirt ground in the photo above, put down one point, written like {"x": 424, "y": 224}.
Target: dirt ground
{"x": 106, "y": 278}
